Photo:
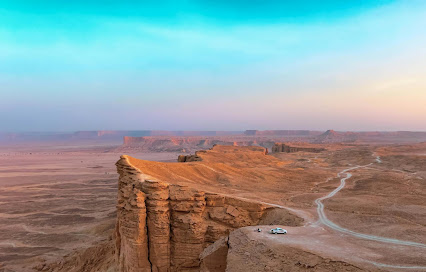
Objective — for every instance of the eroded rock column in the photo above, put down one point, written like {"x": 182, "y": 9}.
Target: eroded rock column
{"x": 158, "y": 224}
{"x": 131, "y": 234}
{"x": 188, "y": 227}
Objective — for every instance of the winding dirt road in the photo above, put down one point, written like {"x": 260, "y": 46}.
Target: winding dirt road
{"x": 324, "y": 220}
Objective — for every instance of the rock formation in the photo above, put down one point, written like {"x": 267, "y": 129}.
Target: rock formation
{"x": 165, "y": 227}
{"x": 281, "y": 147}
{"x": 188, "y": 158}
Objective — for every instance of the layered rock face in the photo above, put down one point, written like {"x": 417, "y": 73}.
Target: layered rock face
{"x": 188, "y": 158}
{"x": 165, "y": 227}
{"x": 280, "y": 147}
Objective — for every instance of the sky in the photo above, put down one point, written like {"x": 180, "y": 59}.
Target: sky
{"x": 212, "y": 65}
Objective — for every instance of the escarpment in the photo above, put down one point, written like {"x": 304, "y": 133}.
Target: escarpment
{"x": 189, "y": 144}
{"x": 165, "y": 227}
{"x": 280, "y": 147}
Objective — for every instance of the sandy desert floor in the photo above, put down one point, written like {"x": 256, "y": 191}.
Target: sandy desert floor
{"x": 54, "y": 201}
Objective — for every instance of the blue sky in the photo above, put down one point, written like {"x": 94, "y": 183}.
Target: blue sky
{"x": 212, "y": 65}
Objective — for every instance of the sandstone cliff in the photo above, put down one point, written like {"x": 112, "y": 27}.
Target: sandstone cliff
{"x": 165, "y": 227}
{"x": 281, "y": 147}
{"x": 188, "y": 158}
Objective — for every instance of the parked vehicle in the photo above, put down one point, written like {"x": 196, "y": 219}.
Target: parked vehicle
{"x": 278, "y": 231}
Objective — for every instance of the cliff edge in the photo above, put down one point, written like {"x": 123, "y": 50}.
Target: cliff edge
{"x": 165, "y": 227}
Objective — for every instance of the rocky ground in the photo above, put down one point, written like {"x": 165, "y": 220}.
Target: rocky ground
{"x": 63, "y": 203}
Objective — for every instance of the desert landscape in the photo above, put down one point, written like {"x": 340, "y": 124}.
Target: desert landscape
{"x": 56, "y": 199}
{"x": 212, "y": 136}
{"x": 353, "y": 205}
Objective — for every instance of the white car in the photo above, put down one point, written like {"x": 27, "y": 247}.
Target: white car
{"x": 278, "y": 231}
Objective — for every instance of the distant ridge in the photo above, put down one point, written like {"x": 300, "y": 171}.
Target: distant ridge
{"x": 281, "y": 132}
{"x": 310, "y": 136}
{"x": 104, "y": 135}
{"x": 331, "y": 136}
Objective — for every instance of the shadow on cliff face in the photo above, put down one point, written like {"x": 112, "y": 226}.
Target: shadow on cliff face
{"x": 278, "y": 216}
{"x": 214, "y": 258}
{"x": 102, "y": 256}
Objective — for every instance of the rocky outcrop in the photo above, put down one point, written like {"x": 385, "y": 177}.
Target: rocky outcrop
{"x": 188, "y": 158}
{"x": 281, "y": 147}
{"x": 198, "y": 155}
{"x": 165, "y": 227}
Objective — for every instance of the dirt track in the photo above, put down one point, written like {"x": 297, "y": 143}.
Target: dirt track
{"x": 323, "y": 218}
